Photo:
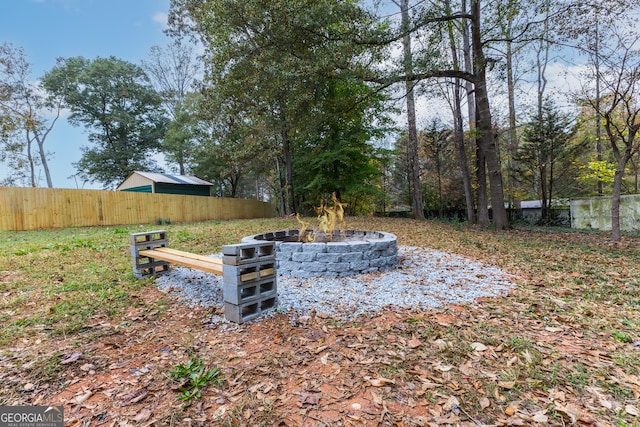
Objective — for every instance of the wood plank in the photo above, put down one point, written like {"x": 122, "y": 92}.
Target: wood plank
{"x": 207, "y": 266}
{"x": 253, "y": 276}
{"x": 189, "y": 255}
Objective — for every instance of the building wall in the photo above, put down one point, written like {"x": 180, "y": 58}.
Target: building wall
{"x": 595, "y": 213}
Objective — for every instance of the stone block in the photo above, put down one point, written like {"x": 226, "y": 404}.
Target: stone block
{"x": 359, "y": 265}
{"x": 351, "y": 256}
{"x": 328, "y": 257}
{"x": 314, "y": 247}
{"x": 338, "y": 266}
{"x": 303, "y": 256}
{"x": 290, "y": 247}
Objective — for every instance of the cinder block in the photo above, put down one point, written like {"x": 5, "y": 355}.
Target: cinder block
{"x": 242, "y": 294}
{"x": 149, "y": 270}
{"x": 148, "y": 237}
{"x": 242, "y": 313}
{"x": 144, "y": 266}
{"x": 245, "y": 312}
{"x": 247, "y": 253}
{"x": 238, "y": 275}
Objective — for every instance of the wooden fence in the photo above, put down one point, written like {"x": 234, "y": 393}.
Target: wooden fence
{"x": 34, "y": 208}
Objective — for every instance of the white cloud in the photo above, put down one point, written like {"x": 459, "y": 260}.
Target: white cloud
{"x": 161, "y": 18}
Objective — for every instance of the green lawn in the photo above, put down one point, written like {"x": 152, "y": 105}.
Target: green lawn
{"x": 562, "y": 348}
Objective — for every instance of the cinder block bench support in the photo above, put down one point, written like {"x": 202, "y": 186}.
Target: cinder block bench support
{"x": 248, "y": 271}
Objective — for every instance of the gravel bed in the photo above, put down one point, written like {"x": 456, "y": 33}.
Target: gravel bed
{"x": 424, "y": 279}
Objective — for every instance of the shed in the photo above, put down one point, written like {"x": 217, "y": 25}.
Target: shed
{"x": 149, "y": 182}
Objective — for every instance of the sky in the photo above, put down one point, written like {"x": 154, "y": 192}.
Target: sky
{"x": 49, "y": 29}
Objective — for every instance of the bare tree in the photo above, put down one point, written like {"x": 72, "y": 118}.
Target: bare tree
{"x": 412, "y": 144}
{"x": 32, "y": 112}
{"x": 174, "y": 70}
{"x": 619, "y": 109}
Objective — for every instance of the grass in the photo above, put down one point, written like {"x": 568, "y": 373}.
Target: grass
{"x": 571, "y": 325}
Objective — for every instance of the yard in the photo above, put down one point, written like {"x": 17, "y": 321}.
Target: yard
{"x": 562, "y": 348}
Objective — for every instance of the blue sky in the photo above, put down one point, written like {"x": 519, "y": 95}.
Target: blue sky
{"x": 49, "y": 29}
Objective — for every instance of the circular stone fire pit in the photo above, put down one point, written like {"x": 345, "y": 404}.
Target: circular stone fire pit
{"x": 331, "y": 255}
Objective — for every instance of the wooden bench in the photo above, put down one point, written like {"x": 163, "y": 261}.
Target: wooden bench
{"x": 187, "y": 259}
{"x": 248, "y": 271}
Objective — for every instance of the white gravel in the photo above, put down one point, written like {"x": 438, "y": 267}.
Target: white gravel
{"x": 424, "y": 279}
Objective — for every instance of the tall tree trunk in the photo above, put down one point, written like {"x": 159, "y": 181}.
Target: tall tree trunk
{"x": 615, "y": 204}
{"x": 412, "y": 145}
{"x": 487, "y": 141}
{"x": 459, "y": 128}
{"x": 483, "y": 208}
{"x": 596, "y": 64}
{"x": 287, "y": 159}
{"x": 281, "y": 195}
{"x": 513, "y": 135}
{"x": 481, "y": 176}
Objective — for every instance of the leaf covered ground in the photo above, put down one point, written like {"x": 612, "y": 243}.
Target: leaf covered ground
{"x": 563, "y": 348}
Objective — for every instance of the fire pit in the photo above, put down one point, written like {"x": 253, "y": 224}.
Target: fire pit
{"x": 331, "y": 254}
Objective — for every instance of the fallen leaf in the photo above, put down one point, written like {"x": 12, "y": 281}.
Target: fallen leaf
{"x": 311, "y": 397}
{"x": 540, "y": 418}
{"x": 451, "y": 404}
{"x": 478, "y": 346}
{"x": 74, "y": 357}
{"x": 506, "y": 384}
{"x": 485, "y": 403}
{"x": 443, "y": 368}
{"x": 83, "y": 397}
{"x": 142, "y": 416}
{"x": 510, "y": 410}
{"x": 569, "y": 410}
{"x": 380, "y": 382}
{"x": 414, "y": 343}
{"x": 219, "y": 413}
{"x": 631, "y": 410}
{"x": 134, "y": 397}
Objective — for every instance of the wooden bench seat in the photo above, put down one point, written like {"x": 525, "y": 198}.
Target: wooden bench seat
{"x": 199, "y": 262}
{"x": 187, "y": 259}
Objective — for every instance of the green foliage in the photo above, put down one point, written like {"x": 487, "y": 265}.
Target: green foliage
{"x": 547, "y": 155}
{"x": 598, "y": 170}
{"x": 192, "y": 377}
{"x": 283, "y": 85}
{"x": 114, "y": 100}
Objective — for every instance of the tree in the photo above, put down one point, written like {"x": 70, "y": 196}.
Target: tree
{"x": 436, "y": 141}
{"x": 115, "y": 101}
{"x": 273, "y": 61}
{"x": 547, "y": 152}
{"x": 338, "y": 157}
{"x": 412, "y": 130}
{"x": 27, "y": 114}
{"x": 173, "y": 71}
{"x": 619, "y": 108}
{"x": 429, "y": 20}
